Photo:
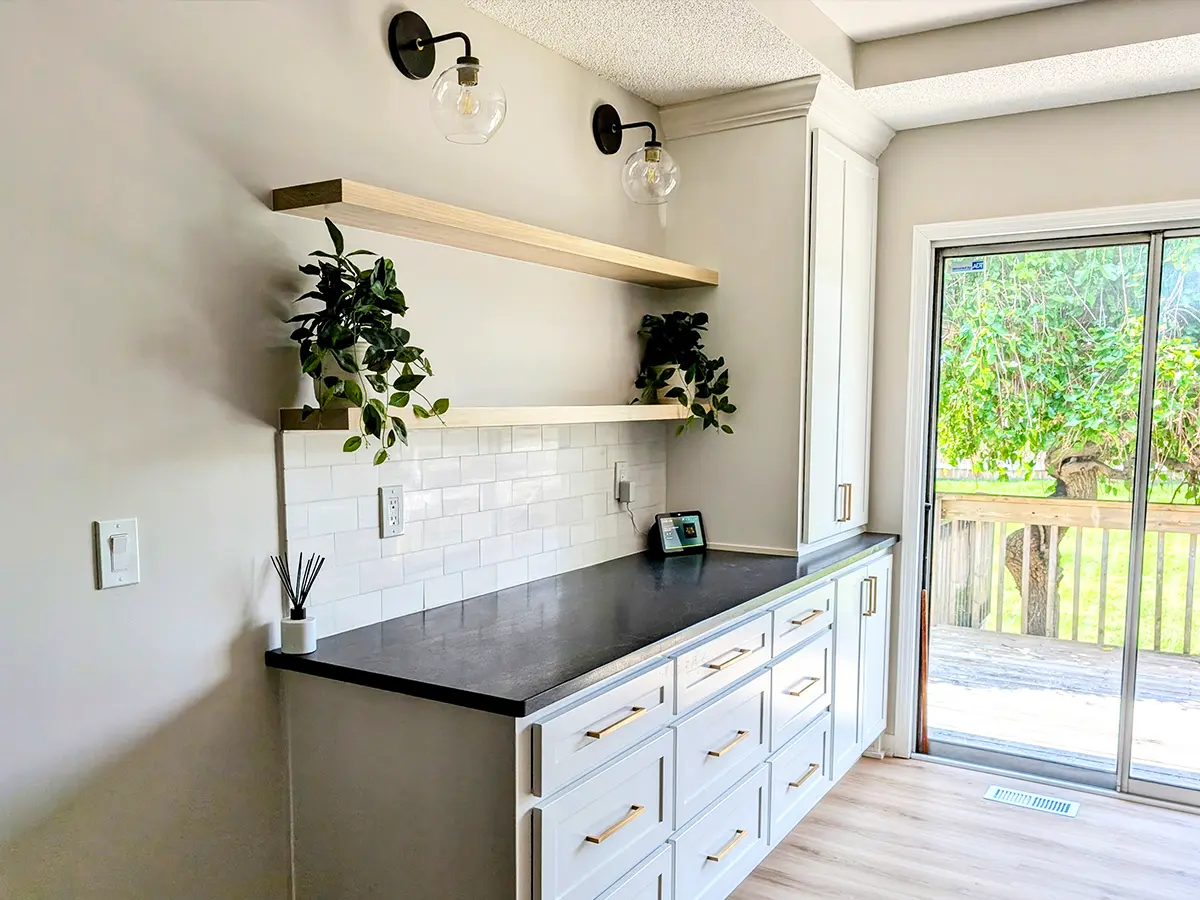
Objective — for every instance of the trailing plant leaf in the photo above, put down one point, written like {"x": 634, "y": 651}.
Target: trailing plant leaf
{"x": 674, "y": 350}
{"x": 381, "y": 457}
{"x": 356, "y": 306}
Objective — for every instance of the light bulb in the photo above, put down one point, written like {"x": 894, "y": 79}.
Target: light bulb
{"x": 468, "y": 104}
{"x": 467, "y": 107}
{"x": 649, "y": 175}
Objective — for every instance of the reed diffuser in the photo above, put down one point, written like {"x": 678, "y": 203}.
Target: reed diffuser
{"x": 299, "y": 629}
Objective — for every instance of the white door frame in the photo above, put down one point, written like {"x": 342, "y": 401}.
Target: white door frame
{"x": 926, "y": 240}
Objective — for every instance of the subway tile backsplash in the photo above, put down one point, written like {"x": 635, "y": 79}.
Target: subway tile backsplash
{"x": 485, "y": 509}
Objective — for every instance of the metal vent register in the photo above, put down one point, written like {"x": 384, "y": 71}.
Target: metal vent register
{"x": 1026, "y": 800}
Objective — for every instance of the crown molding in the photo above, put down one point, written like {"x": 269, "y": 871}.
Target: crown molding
{"x": 756, "y": 106}
{"x": 830, "y": 108}
{"x": 841, "y": 114}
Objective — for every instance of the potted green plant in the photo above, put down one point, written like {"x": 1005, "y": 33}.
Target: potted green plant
{"x": 352, "y": 351}
{"x": 676, "y": 369}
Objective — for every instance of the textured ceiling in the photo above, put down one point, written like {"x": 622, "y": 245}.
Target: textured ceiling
{"x": 1137, "y": 70}
{"x": 670, "y": 51}
{"x": 665, "y": 51}
{"x": 869, "y": 20}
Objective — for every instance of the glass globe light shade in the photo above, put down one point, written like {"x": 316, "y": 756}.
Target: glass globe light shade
{"x": 649, "y": 175}
{"x": 468, "y": 108}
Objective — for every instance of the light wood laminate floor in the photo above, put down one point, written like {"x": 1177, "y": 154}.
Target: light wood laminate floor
{"x": 902, "y": 829}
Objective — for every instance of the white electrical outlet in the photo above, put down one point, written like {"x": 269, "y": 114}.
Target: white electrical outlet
{"x": 620, "y": 473}
{"x": 391, "y": 511}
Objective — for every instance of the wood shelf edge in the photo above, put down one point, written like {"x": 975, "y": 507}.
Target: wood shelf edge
{"x": 490, "y": 416}
{"x": 377, "y": 209}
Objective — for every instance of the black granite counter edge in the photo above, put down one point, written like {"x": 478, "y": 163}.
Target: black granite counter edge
{"x": 425, "y": 690}
{"x": 516, "y": 708}
{"x": 713, "y": 623}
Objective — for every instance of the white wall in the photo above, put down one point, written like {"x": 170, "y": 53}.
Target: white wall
{"x": 1107, "y": 154}
{"x": 741, "y": 207}
{"x": 143, "y": 366}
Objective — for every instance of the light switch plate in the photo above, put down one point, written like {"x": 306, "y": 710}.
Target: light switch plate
{"x": 391, "y": 511}
{"x": 116, "y": 553}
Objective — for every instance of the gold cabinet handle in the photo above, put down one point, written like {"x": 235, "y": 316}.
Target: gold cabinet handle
{"x": 812, "y": 680}
{"x": 634, "y": 812}
{"x": 737, "y": 836}
{"x": 866, "y": 582}
{"x": 873, "y": 595}
{"x": 812, "y": 615}
{"x": 720, "y": 667}
{"x": 841, "y": 503}
{"x": 812, "y": 770}
{"x": 849, "y": 502}
{"x": 637, "y": 713}
{"x": 741, "y": 736}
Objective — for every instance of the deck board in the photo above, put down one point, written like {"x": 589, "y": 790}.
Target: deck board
{"x": 1059, "y": 700}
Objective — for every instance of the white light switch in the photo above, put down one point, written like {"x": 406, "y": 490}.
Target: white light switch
{"x": 391, "y": 511}
{"x": 116, "y": 553}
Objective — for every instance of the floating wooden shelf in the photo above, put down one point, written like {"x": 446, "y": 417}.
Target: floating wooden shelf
{"x": 483, "y": 416}
{"x": 376, "y": 209}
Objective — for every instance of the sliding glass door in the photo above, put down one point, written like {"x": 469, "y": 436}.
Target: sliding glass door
{"x": 1164, "y": 715}
{"x": 1065, "y": 455}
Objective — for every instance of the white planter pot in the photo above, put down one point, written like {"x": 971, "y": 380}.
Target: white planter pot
{"x": 298, "y": 635}
{"x": 676, "y": 380}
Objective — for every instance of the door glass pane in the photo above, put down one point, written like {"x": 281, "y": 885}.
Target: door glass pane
{"x": 1166, "y": 721}
{"x": 1039, "y": 380}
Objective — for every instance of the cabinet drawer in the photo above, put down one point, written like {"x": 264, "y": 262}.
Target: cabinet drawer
{"x": 573, "y": 742}
{"x": 719, "y": 744}
{"x": 588, "y": 835}
{"x": 714, "y": 665}
{"x": 650, "y": 879}
{"x": 800, "y": 688}
{"x": 719, "y": 849}
{"x": 799, "y": 778}
{"x": 801, "y": 617}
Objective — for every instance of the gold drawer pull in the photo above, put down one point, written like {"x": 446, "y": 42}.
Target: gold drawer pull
{"x": 637, "y": 713}
{"x": 813, "y": 681}
{"x": 634, "y": 812}
{"x": 874, "y": 579}
{"x": 737, "y": 836}
{"x": 812, "y": 770}
{"x": 741, "y": 736}
{"x": 729, "y": 662}
{"x": 812, "y": 615}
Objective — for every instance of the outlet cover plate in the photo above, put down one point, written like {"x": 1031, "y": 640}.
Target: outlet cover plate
{"x": 620, "y": 473}
{"x": 391, "y": 511}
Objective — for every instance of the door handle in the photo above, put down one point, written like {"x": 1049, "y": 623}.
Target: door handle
{"x": 812, "y": 680}
{"x": 637, "y": 713}
{"x": 720, "y": 667}
{"x": 843, "y": 495}
{"x": 806, "y": 619}
{"x": 741, "y": 736}
{"x": 873, "y": 581}
{"x": 634, "y": 812}
{"x": 738, "y": 835}
{"x": 813, "y": 769}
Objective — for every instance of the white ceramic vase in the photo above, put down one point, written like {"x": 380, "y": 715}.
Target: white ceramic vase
{"x": 298, "y": 635}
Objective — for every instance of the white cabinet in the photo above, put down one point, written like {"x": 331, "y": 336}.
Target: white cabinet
{"x": 860, "y": 662}
{"x": 845, "y": 193}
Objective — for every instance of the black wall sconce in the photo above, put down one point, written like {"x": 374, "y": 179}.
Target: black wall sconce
{"x": 467, "y": 107}
{"x": 649, "y": 174}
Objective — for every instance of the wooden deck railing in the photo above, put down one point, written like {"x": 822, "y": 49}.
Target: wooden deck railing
{"x": 991, "y": 551}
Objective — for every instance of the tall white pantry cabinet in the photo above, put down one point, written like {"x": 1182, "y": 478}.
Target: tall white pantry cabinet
{"x": 781, "y": 194}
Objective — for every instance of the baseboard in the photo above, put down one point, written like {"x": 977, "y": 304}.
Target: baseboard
{"x": 745, "y": 548}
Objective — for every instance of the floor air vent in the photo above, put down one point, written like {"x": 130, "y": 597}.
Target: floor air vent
{"x": 1025, "y": 800}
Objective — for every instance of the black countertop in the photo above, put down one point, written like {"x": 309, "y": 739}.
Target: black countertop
{"x": 516, "y": 651}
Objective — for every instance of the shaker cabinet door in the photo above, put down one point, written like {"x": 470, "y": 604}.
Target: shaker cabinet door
{"x": 841, "y": 300}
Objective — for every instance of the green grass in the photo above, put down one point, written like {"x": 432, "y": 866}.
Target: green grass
{"x": 1176, "y": 548}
